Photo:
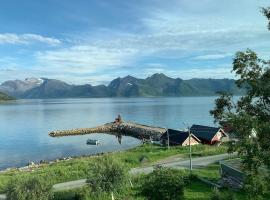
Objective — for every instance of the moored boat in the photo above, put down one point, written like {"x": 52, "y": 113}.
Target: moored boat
{"x": 92, "y": 142}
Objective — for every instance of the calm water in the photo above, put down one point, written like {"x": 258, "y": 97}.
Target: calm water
{"x": 24, "y": 125}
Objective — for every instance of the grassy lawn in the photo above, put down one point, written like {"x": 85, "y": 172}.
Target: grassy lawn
{"x": 211, "y": 172}
{"x": 201, "y": 191}
{"x": 77, "y": 168}
{"x": 197, "y": 190}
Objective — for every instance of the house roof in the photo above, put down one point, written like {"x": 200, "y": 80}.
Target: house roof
{"x": 177, "y": 137}
{"x": 204, "y": 132}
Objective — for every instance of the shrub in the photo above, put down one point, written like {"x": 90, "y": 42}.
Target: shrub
{"x": 106, "y": 175}
{"x": 30, "y": 188}
{"x": 163, "y": 183}
{"x": 217, "y": 195}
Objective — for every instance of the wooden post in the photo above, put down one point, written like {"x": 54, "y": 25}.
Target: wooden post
{"x": 190, "y": 153}
{"x": 168, "y": 139}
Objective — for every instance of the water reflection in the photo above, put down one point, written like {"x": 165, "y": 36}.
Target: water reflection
{"x": 24, "y": 125}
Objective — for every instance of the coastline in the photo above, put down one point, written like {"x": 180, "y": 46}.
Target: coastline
{"x": 32, "y": 166}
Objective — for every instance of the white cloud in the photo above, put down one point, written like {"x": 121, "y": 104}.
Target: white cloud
{"x": 12, "y": 38}
{"x": 86, "y": 58}
{"x": 219, "y": 27}
{"x": 212, "y": 56}
{"x": 111, "y": 55}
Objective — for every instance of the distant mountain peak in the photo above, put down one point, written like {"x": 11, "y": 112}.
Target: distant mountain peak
{"x": 156, "y": 85}
{"x": 34, "y": 80}
{"x": 159, "y": 75}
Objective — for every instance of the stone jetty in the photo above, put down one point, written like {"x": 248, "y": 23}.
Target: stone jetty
{"x": 118, "y": 128}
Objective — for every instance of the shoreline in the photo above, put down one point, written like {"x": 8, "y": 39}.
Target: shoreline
{"x": 32, "y": 166}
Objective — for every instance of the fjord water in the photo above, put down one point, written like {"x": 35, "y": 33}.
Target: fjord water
{"x": 25, "y": 124}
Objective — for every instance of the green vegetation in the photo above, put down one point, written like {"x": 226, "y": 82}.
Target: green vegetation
{"x": 82, "y": 167}
{"x": 249, "y": 117}
{"x": 161, "y": 85}
{"x": 29, "y": 188}
{"x": 194, "y": 189}
{"x": 163, "y": 180}
{"x": 164, "y": 183}
{"x": 106, "y": 175}
{"x": 4, "y": 97}
{"x": 78, "y": 168}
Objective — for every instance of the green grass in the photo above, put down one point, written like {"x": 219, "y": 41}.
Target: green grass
{"x": 77, "y": 168}
{"x": 211, "y": 172}
{"x": 196, "y": 190}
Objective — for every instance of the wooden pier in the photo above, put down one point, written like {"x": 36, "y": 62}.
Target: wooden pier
{"x": 117, "y": 128}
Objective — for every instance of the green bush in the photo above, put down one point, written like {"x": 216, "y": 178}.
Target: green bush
{"x": 28, "y": 188}
{"x": 217, "y": 195}
{"x": 163, "y": 183}
{"x": 106, "y": 175}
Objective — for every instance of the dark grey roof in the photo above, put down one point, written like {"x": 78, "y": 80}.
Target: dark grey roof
{"x": 204, "y": 132}
{"x": 176, "y": 137}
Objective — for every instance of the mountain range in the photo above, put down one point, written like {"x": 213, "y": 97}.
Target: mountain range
{"x": 157, "y": 85}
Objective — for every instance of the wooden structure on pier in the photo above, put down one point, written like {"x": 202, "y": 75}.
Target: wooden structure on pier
{"x": 118, "y": 127}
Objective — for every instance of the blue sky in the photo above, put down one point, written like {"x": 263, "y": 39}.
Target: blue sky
{"x": 94, "y": 41}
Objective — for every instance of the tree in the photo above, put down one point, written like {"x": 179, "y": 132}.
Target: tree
{"x": 106, "y": 175}
{"x": 250, "y": 115}
{"x": 28, "y": 188}
{"x": 163, "y": 183}
{"x": 266, "y": 12}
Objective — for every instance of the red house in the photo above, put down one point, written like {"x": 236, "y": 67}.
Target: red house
{"x": 207, "y": 134}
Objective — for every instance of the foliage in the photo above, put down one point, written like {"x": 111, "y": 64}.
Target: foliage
{"x": 106, "y": 175}
{"x": 217, "y": 195}
{"x": 77, "y": 168}
{"x": 249, "y": 116}
{"x": 266, "y": 12}
{"x": 166, "y": 184}
{"x": 254, "y": 186}
{"x": 31, "y": 188}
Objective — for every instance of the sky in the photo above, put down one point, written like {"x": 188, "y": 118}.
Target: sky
{"x": 95, "y": 41}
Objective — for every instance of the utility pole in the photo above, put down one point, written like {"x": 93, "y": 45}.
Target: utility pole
{"x": 168, "y": 139}
{"x": 190, "y": 152}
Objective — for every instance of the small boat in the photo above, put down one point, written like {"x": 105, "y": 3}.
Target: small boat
{"x": 92, "y": 142}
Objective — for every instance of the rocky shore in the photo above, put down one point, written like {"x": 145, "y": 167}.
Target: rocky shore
{"x": 33, "y": 166}
{"x": 132, "y": 129}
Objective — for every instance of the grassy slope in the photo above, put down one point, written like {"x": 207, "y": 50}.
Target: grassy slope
{"x": 77, "y": 168}
{"x": 197, "y": 190}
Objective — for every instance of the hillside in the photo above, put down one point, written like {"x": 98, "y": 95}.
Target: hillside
{"x": 157, "y": 85}
{"x": 163, "y": 86}
{"x": 4, "y": 97}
